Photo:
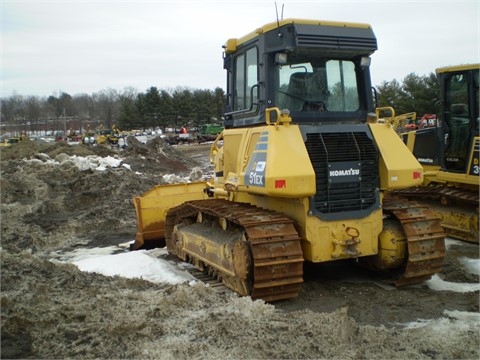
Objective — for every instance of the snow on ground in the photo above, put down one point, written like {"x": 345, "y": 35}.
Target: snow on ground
{"x": 152, "y": 266}
{"x": 83, "y": 163}
{"x": 472, "y": 266}
{"x": 144, "y": 264}
{"x": 94, "y": 162}
{"x": 436, "y": 283}
{"x": 136, "y": 264}
{"x": 455, "y": 320}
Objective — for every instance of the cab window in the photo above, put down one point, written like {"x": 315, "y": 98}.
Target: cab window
{"x": 246, "y": 79}
{"x": 329, "y": 85}
{"x": 457, "y": 116}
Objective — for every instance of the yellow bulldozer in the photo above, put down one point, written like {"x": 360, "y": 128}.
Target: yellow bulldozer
{"x": 300, "y": 171}
{"x": 107, "y": 136}
{"x": 449, "y": 153}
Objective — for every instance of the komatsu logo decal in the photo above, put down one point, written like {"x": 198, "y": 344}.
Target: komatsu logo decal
{"x": 344, "y": 171}
{"x": 348, "y": 172}
{"x": 425, "y": 160}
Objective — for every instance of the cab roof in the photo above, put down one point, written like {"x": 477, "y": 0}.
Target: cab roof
{"x": 234, "y": 42}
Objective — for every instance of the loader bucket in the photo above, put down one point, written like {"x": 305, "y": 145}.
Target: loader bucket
{"x": 151, "y": 209}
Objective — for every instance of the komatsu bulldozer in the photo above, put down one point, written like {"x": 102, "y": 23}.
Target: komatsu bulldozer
{"x": 300, "y": 171}
{"x": 449, "y": 153}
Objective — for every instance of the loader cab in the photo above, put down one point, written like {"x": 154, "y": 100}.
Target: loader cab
{"x": 318, "y": 71}
{"x": 460, "y": 114}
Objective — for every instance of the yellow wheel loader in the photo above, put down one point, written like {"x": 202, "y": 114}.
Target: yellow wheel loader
{"x": 449, "y": 153}
{"x": 300, "y": 171}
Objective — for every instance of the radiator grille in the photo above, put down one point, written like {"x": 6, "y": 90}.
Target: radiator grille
{"x": 356, "y": 193}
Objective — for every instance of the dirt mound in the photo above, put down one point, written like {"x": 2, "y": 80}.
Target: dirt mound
{"x": 29, "y": 148}
{"x": 47, "y": 198}
{"x": 159, "y": 155}
{"x": 156, "y": 152}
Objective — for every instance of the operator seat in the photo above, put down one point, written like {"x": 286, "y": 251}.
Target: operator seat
{"x": 317, "y": 86}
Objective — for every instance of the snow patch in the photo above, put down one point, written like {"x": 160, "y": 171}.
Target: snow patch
{"x": 455, "y": 320}
{"x": 135, "y": 264}
{"x": 437, "y": 284}
{"x": 83, "y": 163}
{"x": 472, "y": 266}
{"x": 175, "y": 179}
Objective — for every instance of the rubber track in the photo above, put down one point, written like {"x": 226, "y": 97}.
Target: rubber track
{"x": 275, "y": 250}
{"x": 425, "y": 239}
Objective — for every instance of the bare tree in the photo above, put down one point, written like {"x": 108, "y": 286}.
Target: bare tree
{"x": 107, "y": 105}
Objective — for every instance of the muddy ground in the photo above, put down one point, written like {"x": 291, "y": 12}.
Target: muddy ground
{"x": 53, "y": 310}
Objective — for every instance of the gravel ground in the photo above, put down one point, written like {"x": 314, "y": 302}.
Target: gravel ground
{"x": 53, "y": 310}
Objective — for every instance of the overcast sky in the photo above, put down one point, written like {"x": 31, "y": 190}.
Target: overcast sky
{"x": 48, "y": 47}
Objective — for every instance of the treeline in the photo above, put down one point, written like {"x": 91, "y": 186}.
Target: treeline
{"x": 130, "y": 109}
{"x": 164, "y": 109}
{"x": 126, "y": 110}
{"x": 419, "y": 94}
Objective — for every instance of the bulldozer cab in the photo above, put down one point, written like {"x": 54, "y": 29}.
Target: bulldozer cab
{"x": 460, "y": 112}
{"x": 293, "y": 65}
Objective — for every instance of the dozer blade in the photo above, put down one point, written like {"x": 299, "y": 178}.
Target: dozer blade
{"x": 152, "y": 206}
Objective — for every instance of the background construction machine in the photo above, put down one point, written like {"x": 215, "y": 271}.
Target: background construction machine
{"x": 400, "y": 123}
{"x": 107, "y": 136}
{"x": 449, "y": 153}
{"x": 301, "y": 170}
{"x": 209, "y": 132}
